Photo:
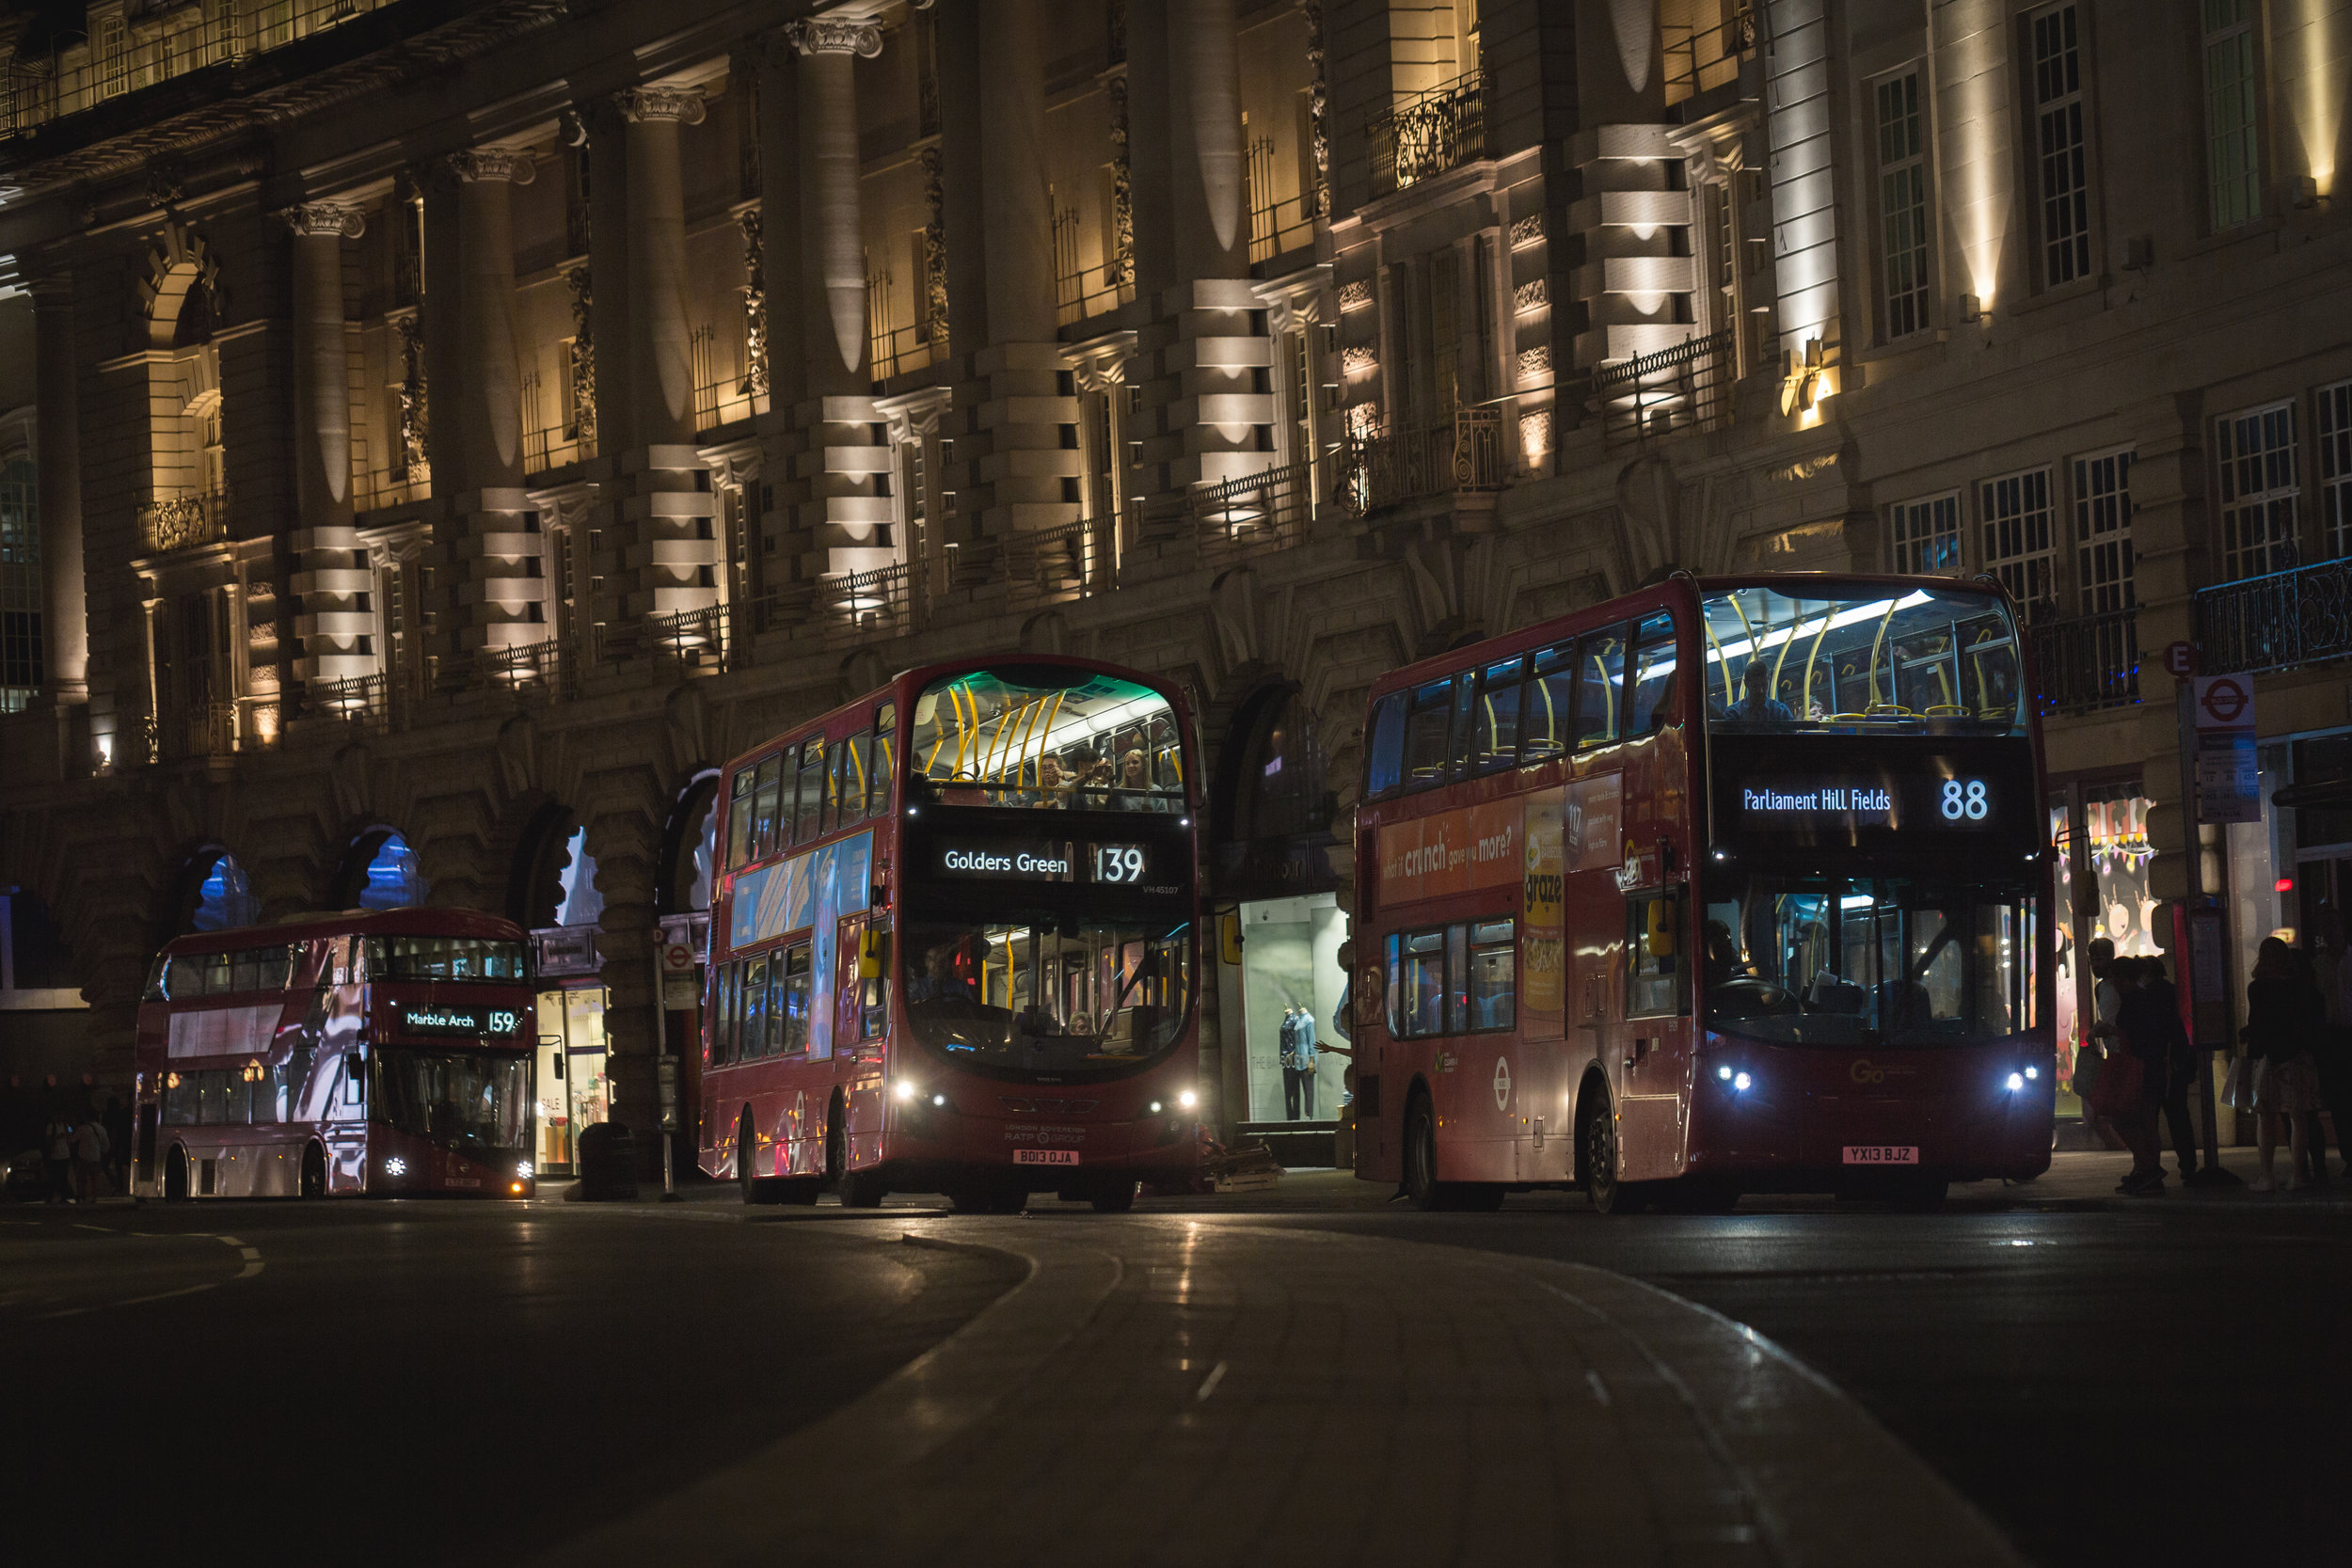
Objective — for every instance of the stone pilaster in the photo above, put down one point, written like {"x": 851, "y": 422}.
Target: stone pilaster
{"x": 844, "y": 516}
{"x": 331, "y": 580}
{"x": 65, "y": 672}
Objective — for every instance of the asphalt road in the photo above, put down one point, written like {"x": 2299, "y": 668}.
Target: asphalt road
{"x": 469, "y": 1383}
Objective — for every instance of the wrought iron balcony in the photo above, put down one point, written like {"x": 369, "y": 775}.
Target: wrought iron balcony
{"x": 2299, "y": 616}
{"x": 1265, "y": 510}
{"x": 1428, "y": 135}
{"x": 1461, "y": 454}
{"x": 1052, "y": 564}
{"x": 184, "y": 521}
{"x": 1698, "y": 61}
{"x": 2088, "y": 663}
{"x": 1681, "y": 389}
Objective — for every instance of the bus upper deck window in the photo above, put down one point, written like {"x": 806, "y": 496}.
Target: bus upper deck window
{"x": 1426, "y": 735}
{"x": 764, "y": 819}
{"x": 810, "y": 814}
{"x": 1600, "y": 677}
{"x": 1546, "y": 712}
{"x": 1495, "y": 718}
{"x": 740, "y": 816}
{"x": 1387, "y": 751}
{"x": 861, "y": 793}
{"x": 884, "y": 769}
{"x": 1650, "y": 701}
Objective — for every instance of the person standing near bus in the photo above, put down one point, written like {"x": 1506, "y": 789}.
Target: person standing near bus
{"x": 2283, "y": 1015}
{"x": 2150, "y": 1021}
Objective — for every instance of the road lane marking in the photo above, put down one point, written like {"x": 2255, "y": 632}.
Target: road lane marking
{"x": 250, "y": 1255}
{"x": 1208, "y": 1384}
{"x": 1601, "y": 1389}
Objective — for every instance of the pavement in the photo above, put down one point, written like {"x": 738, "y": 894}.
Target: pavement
{"x": 2047, "y": 1372}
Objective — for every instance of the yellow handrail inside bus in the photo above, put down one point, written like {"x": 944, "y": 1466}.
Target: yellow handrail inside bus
{"x": 1878, "y": 642}
{"x": 1608, "y": 695}
{"x": 1721, "y": 659}
{"x": 1814, "y": 656}
{"x": 1755, "y": 647}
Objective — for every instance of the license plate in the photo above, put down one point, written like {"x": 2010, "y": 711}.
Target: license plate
{"x": 1881, "y": 1154}
{"x": 464, "y": 1181}
{"x": 1044, "y": 1156}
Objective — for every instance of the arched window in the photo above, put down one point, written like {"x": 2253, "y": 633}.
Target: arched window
{"x": 578, "y": 903}
{"x": 685, "y": 879}
{"x": 222, "y": 900}
{"x": 384, "y": 874}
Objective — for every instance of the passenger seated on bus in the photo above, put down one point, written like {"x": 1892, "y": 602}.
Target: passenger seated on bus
{"x": 1052, "y": 792}
{"x": 1133, "y": 791}
{"x": 1722, "y": 954}
{"x": 1903, "y": 1002}
{"x": 1757, "y": 704}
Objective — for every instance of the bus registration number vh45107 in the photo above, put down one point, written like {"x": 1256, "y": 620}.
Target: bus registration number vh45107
{"x": 1881, "y": 1154}
{"x": 1044, "y": 1156}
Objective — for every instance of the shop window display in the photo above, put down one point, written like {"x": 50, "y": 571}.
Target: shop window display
{"x": 1291, "y": 959}
{"x": 573, "y": 1094}
{"x": 2114, "y": 828}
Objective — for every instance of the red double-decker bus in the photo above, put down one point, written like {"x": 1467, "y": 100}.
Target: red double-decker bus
{"x": 386, "y": 1053}
{"x": 953, "y": 946}
{"x": 1728, "y": 885}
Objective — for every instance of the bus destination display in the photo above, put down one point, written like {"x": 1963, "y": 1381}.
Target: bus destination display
{"x": 1887, "y": 804}
{"x": 460, "y": 1020}
{"x": 1046, "y": 860}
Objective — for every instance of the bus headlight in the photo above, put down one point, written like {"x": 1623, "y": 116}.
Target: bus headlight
{"x": 523, "y": 1169}
{"x": 2033, "y": 1072}
{"x": 2016, "y": 1082}
{"x": 1187, "y": 1099}
{"x": 905, "y": 1091}
{"x": 940, "y": 1099}
{"x": 395, "y": 1166}
{"x": 1740, "y": 1082}
{"x": 1156, "y": 1107}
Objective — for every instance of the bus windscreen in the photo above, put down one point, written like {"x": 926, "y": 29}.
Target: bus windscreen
{"x": 1054, "y": 995}
{"x": 1048, "y": 737}
{"x": 1862, "y": 660}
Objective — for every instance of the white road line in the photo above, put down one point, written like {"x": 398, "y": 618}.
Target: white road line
{"x": 251, "y": 1255}
{"x": 1208, "y": 1383}
{"x": 1601, "y": 1389}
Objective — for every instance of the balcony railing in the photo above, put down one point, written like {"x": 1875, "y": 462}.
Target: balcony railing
{"x": 2300, "y": 616}
{"x": 2088, "y": 663}
{"x": 197, "y": 730}
{"x": 184, "y": 521}
{"x": 535, "y": 669}
{"x": 1268, "y": 510}
{"x": 364, "y": 702}
{"x": 556, "y": 447}
{"x": 1460, "y": 455}
{"x": 1429, "y": 134}
{"x": 692, "y": 640}
{"x": 864, "y": 607}
{"x": 153, "y": 44}
{"x": 392, "y": 487}
{"x": 1056, "y": 563}
{"x": 1278, "y": 224}
{"x": 1700, "y": 61}
{"x": 1681, "y": 389}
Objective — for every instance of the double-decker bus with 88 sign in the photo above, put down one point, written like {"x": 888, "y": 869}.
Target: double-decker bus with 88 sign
{"x": 1725, "y": 886}
{"x": 386, "y": 1053}
{"x": 954, "y": 945}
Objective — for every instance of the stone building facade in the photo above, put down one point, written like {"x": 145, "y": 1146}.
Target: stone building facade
{"x": 462, "y": 424}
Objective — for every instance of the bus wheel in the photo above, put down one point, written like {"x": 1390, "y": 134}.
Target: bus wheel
{"x": 1598, "y": 1137}
{"x": 175, "y": 1176}
{"x": 1420, "y": 1155}
{"x": 862, "y": 1189}
{"x": 1117, "y": 1199}
{"x": 313, "y": 1173}
{"x": 754, "y": 1190}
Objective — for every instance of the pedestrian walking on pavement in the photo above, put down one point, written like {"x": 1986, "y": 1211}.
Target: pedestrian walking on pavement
{"x": 2285, "y": 1014}
{"x": 90, "y": 1144}
{"x": 56, "y": 1149}
{"x": 2150, "y": 1017}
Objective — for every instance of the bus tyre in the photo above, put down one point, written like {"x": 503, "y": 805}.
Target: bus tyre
{"x": 1420, "y": 1155}
{"x": 1596, "y": 1140}
{"x": 862, "y": 1189}
{"x": 754, "y": 1189}
{"x": 313, "y": 1172}
{"x": 1116, "y": 1200}
{"x": 176, "y": 1174}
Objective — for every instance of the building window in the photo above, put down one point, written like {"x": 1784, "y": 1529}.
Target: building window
{"x": 2256, "y": 453}
{"x": 2103, "y": 533}
{"x": 20, "y": 587}
{"x": 2232, "y": 156}
{"x": 2061, "y": 147}
{"x": 2335, "y": 470}
{"x": 2021, "y": 539}
{"x": 1902, "y": 206}
{"x": 1926, "y": 534}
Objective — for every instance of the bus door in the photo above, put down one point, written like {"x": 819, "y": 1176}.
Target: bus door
{"x": 344, "y": 1128}
{"x": 1547, "y": 1074}
{"x": 1593, "y": 920}
{"x": 1654, "y": 1059}
{"x": 860, "y": 1013}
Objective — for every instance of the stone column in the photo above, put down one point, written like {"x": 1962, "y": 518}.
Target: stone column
{"x": 660, "y": 336}
{"x": 1016, "y": 214}
{"x": 497, "y": 552}
{"x": 331, "y": 575}
{"x": 65, "y": 623}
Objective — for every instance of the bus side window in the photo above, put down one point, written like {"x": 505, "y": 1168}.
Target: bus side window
{"x": 1495, "y": 718}
{"x": 1457, "y": 1010}
{"x": 179, "y": 1099}
{"x": 753, "y": 1028}
{"x": 1386, "y": 753}
{"x": 779, "y": 1041}
{"x": 1548, "y": 710}
{"x": 883, "y": 777}
{"x": 795, "y": 999}
{"x": 721, "y": 1015}
{"x": 1650, "y": 705}
{"x": 857, "y": 772}
{"x": 1425, "y": 735}
{"x": 873, "y": 968}
{"x": 1599, "y": 674}
{"x": 1393, "y": 989}
{"x": 355, "y": 1079}
{"x": 186, "y": 982}
{"x": 1656, "y": 985}
{"x": 1464, "y": 716}
{"x": 808, "y": 821}
{"x": 764, "y": 817}
{"x": 219, "y": 974}
{"x": 1422, "y": 1010}
{"x": 1493, "y": 988}
{"x": 740, "y": 816}
{"x": 156, "y": 980}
